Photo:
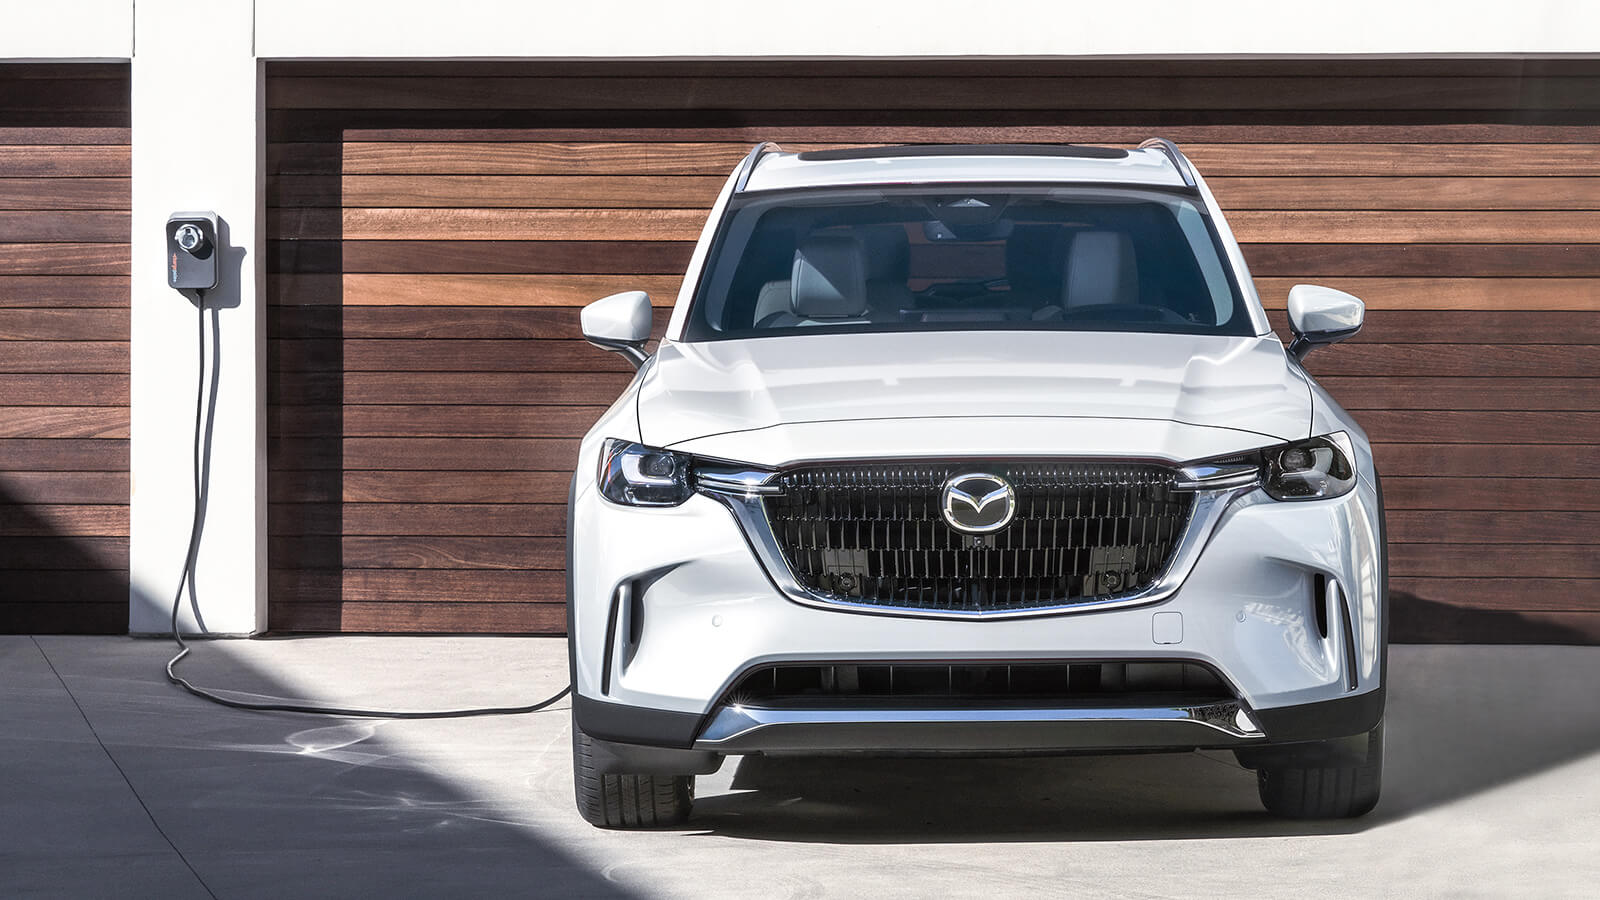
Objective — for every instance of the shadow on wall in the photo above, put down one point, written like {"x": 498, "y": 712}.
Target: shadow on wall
{"x": 52, "y": 582}
{"x": 1419, "y": 620}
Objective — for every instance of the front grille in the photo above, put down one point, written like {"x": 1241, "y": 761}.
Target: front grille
{"x": 876, "y": 535}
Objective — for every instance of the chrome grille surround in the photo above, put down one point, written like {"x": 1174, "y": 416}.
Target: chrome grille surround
{"x": 873, "y": 534}
{"x": 744, "y": 490}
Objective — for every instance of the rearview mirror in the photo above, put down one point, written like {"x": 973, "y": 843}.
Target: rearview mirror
{"x": 1321, "y": 315}
{"x": 619, "y": 323}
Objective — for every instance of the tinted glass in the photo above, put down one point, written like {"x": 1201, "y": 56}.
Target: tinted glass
{"x": 982, "y": 258}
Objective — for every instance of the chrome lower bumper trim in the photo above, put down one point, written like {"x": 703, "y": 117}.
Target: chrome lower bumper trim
{"x": 753, "y": 728}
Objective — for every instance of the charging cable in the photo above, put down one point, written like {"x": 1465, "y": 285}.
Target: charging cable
{"x": 282, "y": 705}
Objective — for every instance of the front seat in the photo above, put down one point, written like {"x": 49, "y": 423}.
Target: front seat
{"x": 882, "y": 266}
{"x": 828, "y": 283}
{"x": 1101, "y": 269}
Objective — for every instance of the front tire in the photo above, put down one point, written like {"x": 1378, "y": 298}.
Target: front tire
{"x": 1325, "y": 791}
{"x": 626, "y": 801}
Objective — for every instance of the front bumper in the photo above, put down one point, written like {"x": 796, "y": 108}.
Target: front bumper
{"x": 741, "y": 730}
{"x": 670, "y": 606}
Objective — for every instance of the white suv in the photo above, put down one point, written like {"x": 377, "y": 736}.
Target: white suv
{"x": 973, "y": 449}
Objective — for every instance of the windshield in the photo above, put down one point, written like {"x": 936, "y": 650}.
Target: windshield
{"x": 965, "y": 258}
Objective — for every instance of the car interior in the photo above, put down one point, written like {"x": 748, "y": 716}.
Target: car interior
{"x": 974, "y": 262}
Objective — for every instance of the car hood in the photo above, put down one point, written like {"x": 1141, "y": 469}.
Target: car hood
{"x": 1241, "y": 384}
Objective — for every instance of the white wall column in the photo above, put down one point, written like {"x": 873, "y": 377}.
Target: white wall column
{"x": 197, "y": 146}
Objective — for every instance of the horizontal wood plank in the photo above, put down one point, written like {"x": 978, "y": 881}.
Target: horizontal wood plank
{"x": 944, "y": 67}
{"x": 1302, "y": 262}
{"x": 1320, "y": 262}
{"x": 62, "y": 422}
{"x": 1507, "y": 460}
{"x": 1493, "y": 527}
{"x": 332, "y": 486}
{"x": 66, "y": 193}
{"x": 429, "y": 421}
{"x": 1256, "y": 191}
{"x": 718, "y": 159}
{"x": 102, "y": 616}
{"x": 1474, "y": 360}
{"x": 1544, "y": 594}
{"x": 63, "y": 488}
{"x": 64, "y": 455}
{"x": 417, "y": 552}
{"x": 467, "y": 355}
{"x": 455, "y": 126}
{"x": 476, "y": 454}
{"x": 1465, "y": 392}
{"x": 932, "y": 92}
{"x": 418, "y": 618}
{"x": 63, "y": 324}
{"x": 389, "y": 519}
{"x": 446, "y": 290}
{"x": 485, "y": 388}
{"x": 492, "y": 257}
{"x": 1264, "y": 190}
{"x": 449, "y": 322}
{"x": 1475, "y": 294}
{"x": 1419, "y": 620}
{"x": 51, "y": 587}
{"x": 414, "y": 585}
{"x": 1493, "y": 560}
{"x": 509, "y": 191}
{"x": 1249, "y": 226}
{"x": 1402, "y": 226}
{"x": 64, "y": 161}
{"x": 64, "y": 390}
{"x": 101, "y": 226}
{"x": 64, "y": 259}
{"x": 1467, "y": 326}
{"x": 1480, "y": 427}
{"x": 1448, "y": 494}
{"x": 55, "y": 519}
{"x": 64, "y": 552}
{"x": 65, "y": 357}
{"x": 64, "y": 291}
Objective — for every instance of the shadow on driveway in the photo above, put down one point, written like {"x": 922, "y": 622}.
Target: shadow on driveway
{"x": 1460, "y": 720}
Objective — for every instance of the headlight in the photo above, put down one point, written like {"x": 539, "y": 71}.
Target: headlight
{"x": 636, "y": 475}
{"x": 1311, "y": 469}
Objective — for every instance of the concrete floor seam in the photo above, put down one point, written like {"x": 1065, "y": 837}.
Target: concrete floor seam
{"x": 118, "y": 766}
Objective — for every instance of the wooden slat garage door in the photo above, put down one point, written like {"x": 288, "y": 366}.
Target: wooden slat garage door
{"x": 435, "y": 228}
{"x": 63, "y": 348}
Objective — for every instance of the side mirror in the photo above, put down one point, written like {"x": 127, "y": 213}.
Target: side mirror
{"x": 619, "y": 323}
{"x": 1321, "y": 315}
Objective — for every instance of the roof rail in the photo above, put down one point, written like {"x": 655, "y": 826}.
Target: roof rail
{"x": 749, "y": 163}
{"x": 1179, "y": 161}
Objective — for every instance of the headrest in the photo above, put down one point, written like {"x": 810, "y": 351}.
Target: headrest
{"x": 829, "y": 279}
{"x": 888, "y": 252}
{"x": 1100, "y": 269}
{"x": 1035, "y": 255}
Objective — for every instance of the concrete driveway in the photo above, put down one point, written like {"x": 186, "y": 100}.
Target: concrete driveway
{"x": 113, "y": 783}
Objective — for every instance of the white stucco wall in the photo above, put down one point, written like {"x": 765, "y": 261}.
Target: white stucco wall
{"x": 202, "y": 153}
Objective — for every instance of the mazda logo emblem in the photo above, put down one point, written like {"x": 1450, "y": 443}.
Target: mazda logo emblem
{"x": 979, "y": 503}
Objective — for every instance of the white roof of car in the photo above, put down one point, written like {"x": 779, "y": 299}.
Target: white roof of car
{"x": 954, "y": 164}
